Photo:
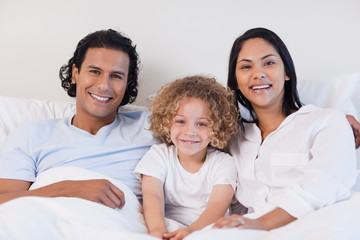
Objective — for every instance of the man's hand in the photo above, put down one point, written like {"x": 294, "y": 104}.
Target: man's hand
{"x": 97, "y": 190}
{"x": 355, "y": 125}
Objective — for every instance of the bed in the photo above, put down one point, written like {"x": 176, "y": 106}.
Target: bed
{"x": 72, "y": 218}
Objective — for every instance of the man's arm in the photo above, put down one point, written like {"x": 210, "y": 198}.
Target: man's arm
{"x": 99, "y": 190}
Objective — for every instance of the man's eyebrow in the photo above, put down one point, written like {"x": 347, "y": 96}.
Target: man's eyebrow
{"x": 95, "y": 67}
{"x": 116, "y": 72}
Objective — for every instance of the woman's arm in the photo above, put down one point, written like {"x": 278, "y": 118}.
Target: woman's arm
{"x": 216, "y": 208}
{"x": 153, "y": 205}
{"x": 274, "y": 219}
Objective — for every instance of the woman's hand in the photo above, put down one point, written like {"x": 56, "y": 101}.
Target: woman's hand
{"x": 238, "y": 221}
{"x": 355, "y": 125}
{"x": 178, "y": 234}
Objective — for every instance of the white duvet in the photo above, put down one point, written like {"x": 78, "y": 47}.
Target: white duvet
{"x": 73, "y": 218}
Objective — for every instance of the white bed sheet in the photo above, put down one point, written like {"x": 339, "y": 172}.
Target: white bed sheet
{"x": 336, "y": 222}
{"x": 73, "y": 218}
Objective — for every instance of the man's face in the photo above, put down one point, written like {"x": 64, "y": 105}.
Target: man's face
{"x": 100, "y": 84}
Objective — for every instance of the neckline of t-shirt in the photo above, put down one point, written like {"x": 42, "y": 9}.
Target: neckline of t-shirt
{"x": 182, "y": 169}
{"x": 101, "y": 131}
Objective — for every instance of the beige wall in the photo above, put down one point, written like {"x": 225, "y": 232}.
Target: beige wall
{"x": 174, "y": 38}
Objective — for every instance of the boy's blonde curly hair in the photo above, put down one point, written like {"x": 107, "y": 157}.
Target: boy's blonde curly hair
{"x": 223, "y": 113}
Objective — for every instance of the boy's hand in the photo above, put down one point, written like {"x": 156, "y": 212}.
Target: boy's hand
{"x": 178, "y": 234}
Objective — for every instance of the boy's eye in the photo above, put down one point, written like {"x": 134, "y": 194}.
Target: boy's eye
{"x": 180, "y": 121}
{"x": 201, "y": 124}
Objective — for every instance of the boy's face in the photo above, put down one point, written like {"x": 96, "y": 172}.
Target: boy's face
{"x": 100, "y": 84}
{"x": 189, "y": 131}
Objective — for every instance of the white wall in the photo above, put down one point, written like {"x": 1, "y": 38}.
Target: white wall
{"x": 174, "y": 38}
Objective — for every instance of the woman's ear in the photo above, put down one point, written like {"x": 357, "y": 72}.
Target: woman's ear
{"x": 75, "y": 74}
{"x": 287, "y": 78}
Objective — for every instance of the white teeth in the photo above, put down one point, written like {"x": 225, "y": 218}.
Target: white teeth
{"x": 260, "y": 87}
{"x": 100, "y": 98}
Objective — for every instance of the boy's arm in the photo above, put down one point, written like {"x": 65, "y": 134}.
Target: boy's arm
{"x": 218, "y": 204}
{"x": 99, "y": 190}
{"x": 154, "y": 205}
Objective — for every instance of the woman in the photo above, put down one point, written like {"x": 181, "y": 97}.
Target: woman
{"x": 291, "y": 159}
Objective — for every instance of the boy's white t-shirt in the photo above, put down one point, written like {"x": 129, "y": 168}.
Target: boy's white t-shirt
{"x": 186, "y": 194}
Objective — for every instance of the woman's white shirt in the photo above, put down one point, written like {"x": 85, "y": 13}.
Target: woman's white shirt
{"x": 307, "y": 163}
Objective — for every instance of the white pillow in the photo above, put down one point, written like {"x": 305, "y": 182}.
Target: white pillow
{"x": 17, "y": 111}
{"x": 340, "y": 92}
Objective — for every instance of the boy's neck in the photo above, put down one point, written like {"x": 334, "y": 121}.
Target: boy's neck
{"x": 192, "y": 163}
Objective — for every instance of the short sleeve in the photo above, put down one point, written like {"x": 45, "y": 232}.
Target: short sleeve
{"x": 224, "y": 170}
{"x": 15, "y": 160}
{"x": 154, "y": 163}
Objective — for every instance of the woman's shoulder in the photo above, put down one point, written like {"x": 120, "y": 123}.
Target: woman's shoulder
{"x": 311, "y": 111}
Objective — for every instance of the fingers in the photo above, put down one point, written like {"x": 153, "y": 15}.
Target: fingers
{"x": 230, "y": 222}
{"x": 357, "y": 138}
{"x": 112, "y": 196}
{"x": 117, "y": 197}
{"x": 104, "y": 192}
{"x": 178, "y": 234}
{"x": 355, "y": 125}
{"x": 170, "y": 235}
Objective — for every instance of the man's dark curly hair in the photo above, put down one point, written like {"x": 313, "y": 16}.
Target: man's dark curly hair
{"x": 109, "y": 39}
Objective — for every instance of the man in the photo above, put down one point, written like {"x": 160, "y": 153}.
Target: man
{"x": 102, "y": 75}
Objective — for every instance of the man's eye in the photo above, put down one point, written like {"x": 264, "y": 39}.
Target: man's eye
{"x": 95, "y": 72}
{"x": 117, "y": 76}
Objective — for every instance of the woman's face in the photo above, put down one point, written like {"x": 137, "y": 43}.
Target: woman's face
{"x": 260, "y": 74}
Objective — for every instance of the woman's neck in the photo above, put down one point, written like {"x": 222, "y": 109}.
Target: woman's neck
{"x": 269, "y": 120}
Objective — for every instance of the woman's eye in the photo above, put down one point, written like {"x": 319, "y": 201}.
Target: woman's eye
{"x": 270, "y": 63}
{"x": 245, "y": 67}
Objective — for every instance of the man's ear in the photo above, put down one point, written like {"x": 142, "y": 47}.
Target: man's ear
{"x": 75, "y": 74}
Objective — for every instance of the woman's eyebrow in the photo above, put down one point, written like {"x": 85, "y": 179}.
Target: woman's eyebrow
{"x": 269, "y": 55}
